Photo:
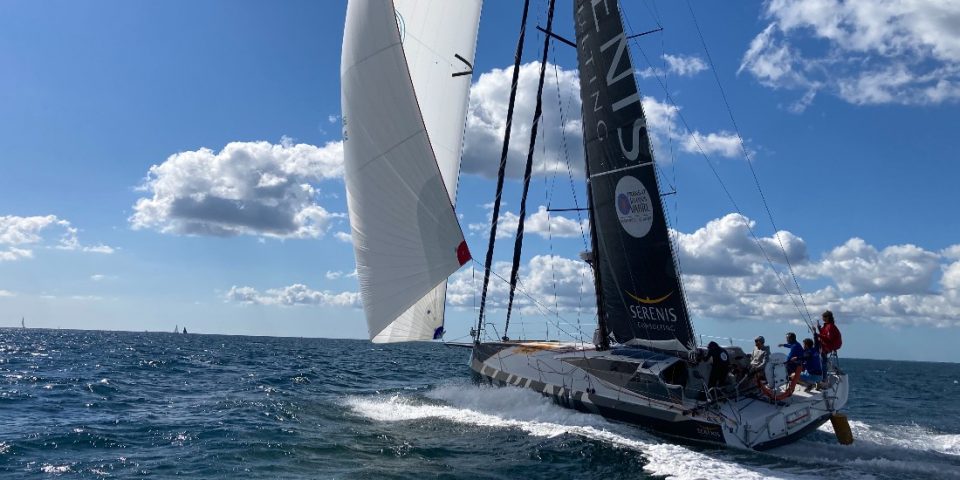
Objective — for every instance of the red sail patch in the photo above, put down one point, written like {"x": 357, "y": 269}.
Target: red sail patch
{"x": 463, "y": 253}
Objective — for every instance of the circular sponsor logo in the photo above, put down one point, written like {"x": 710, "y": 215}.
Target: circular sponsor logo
{"x": 634, "y": 207}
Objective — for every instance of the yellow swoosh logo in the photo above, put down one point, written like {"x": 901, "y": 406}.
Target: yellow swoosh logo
{"x": 648, "y": 300}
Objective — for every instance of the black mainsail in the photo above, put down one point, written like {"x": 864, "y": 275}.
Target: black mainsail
{"x": 641, "y": 300}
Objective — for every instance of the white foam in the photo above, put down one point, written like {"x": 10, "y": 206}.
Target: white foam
{"x": 55, "y": 468}
{"x": 911, "y": 437}
{"x": 883, "y": 449}
{"x": 530, "y": 412}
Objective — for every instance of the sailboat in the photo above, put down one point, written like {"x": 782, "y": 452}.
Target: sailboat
{"x": 401, "y": 147}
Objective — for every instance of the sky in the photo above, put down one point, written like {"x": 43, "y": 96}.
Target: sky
{"x": 180, "y": 163}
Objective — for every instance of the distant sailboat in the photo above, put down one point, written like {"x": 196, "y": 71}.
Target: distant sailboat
{"x": 176, "y": 329}
{"x": 23, "y": 323}
{"x": 184, "y": 330}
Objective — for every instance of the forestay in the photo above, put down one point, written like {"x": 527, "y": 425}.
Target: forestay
{"x": 400, "y": 179}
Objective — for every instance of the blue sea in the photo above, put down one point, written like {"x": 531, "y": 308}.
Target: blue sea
{"x": 88, "y": 404}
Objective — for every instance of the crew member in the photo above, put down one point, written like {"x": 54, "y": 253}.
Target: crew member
{"x": 795, "y": 357}
{"x": 721, "y": 365}
{"x": 828, "y": 336}
{"x": 812, "y": 370}
{"x": 760, "y": 358}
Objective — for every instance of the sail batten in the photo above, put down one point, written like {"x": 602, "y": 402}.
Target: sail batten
{"x": 402, "y": 157}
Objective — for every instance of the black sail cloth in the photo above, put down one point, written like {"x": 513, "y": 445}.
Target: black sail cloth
{"x": 641, "y": 296}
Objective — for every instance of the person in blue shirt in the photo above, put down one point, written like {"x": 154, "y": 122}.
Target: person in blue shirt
{"x": 795, "y": 357}
{"x": 812, "y": 368}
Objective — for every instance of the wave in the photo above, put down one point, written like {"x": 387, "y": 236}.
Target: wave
{"x": 530, "y": 412}
{"x": 913, "y": 437}
{"x": 894, "y": 451}
{"x": 878, "y": 451}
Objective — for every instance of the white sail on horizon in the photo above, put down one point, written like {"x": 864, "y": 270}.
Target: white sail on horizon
{"x": 403, "y": 128}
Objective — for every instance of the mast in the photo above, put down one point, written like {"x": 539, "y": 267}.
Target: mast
{"x": 502, "y": 170}
{"x": 602, "y": 331}
{"x": 537, "y": 113}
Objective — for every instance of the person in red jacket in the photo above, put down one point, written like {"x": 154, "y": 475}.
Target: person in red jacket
{"x": 828, "y": 336}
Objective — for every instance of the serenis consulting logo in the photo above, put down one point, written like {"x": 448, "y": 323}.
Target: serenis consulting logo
{"x": 634, "y": 207}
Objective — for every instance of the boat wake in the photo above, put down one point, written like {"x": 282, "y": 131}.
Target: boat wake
{"x": 879, "y": 451}
{"x": 890, "y": 450}
{"x": 530, "y": 412}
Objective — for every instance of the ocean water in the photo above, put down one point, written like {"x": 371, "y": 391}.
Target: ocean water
{"x": 85, "y": 404}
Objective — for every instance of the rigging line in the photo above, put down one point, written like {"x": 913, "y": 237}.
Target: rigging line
{"x": 675, "y": 237}
{"x": 502, "y": 168}
{"x": 544, "y": 310}
{"x": 563, "y": 140}
{"x": 548, "y": 197}
{"x": 537, "y": 114}
{"x": 746, "y": 155}
{"x": 566, "y": 157}
{"x": 726, "y": 191}
{"x": 673, "y": 248}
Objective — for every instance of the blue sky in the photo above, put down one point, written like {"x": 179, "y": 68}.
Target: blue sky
{"x": 111, "y": 112}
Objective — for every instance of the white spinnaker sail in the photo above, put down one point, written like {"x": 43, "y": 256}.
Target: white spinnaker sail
{"x": 405, "y": 233}
{"x": 433, "y": 32}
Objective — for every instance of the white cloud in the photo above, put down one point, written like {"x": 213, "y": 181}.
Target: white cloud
{"x": 725, "y": 247}
{"x": 21, "y": 230}
{"x": 297, "y": 294}
{"x": 487, "y": 112}
{"x": 951, "y": 280}
{"x": 99, "y": 277}
{"x": 952, "y": 252}
{"x": 573, "y": 280}
{"x": 725, "y": 144}
{"x": 7, "y": 293}
{"x": 336, "y": 274}
{"x": 248, "y": 188}
{"x": 344, "y": 237}
{"x": 486, "y": 117}
{"x": 14, "y": 253}
{"x": 864, "y": 51}
{"x": 727, "y": 277}
{"x": 17, "y": 232}
{"x": 858, "y": 267}
{"x": 541, "y": 223}
{"x": 663, "y": 120}
{"x": 681, "y": 65}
